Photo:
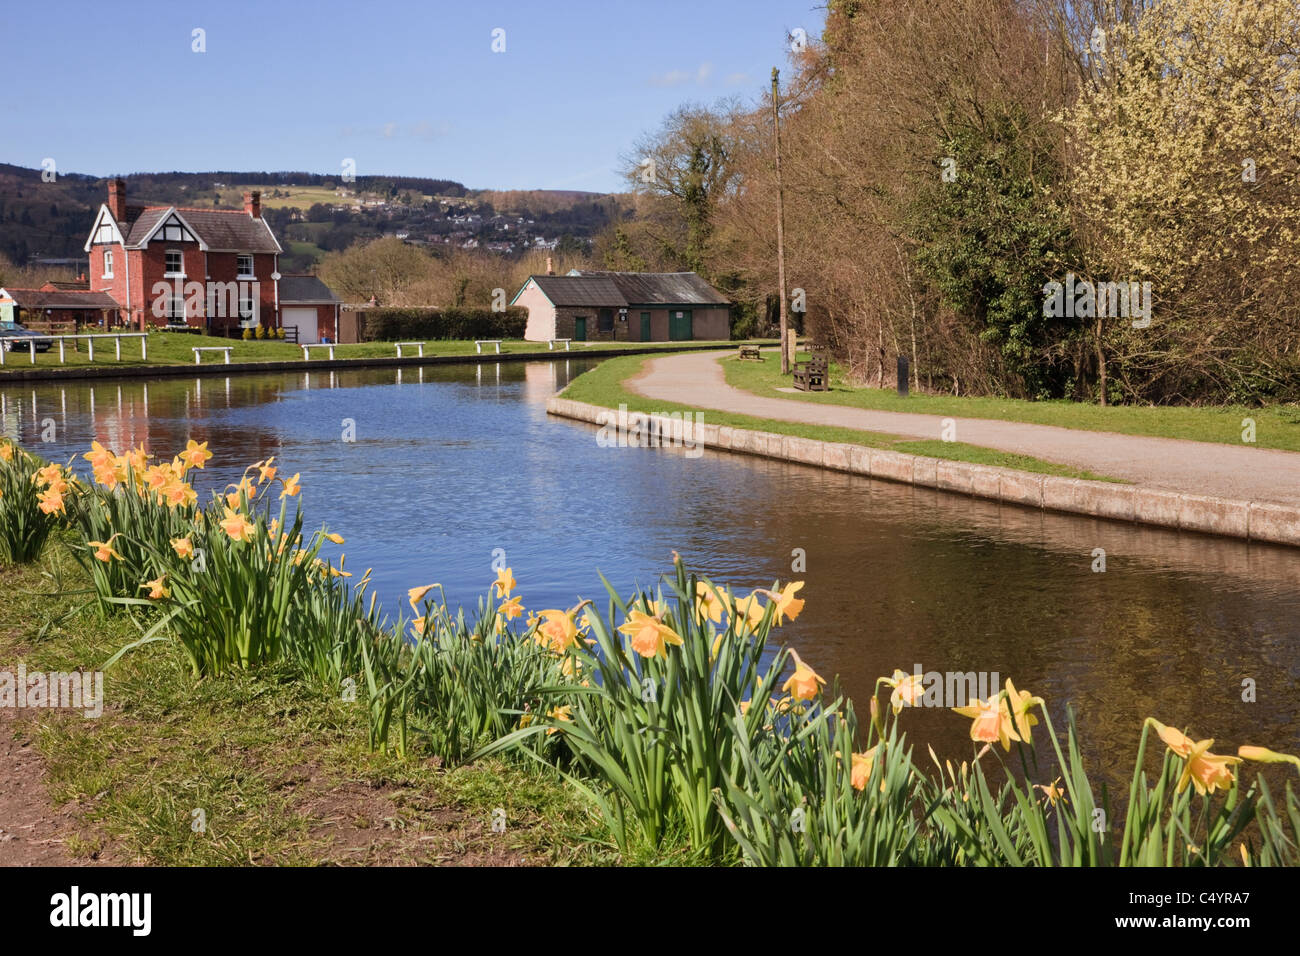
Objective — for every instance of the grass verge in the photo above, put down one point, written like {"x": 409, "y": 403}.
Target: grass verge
{"x": 603, "y": 385}
{"x": 279, "y": 768}
{"x": 176, "y": 348}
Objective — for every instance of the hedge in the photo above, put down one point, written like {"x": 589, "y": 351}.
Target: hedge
{"x": 392, "y": 325}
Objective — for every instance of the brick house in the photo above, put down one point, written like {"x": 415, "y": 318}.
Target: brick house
{"x": 214, "y": 269}
{"x": 592, "y": 306}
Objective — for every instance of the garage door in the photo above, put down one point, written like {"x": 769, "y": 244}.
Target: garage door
{"x": 304, "y": 320}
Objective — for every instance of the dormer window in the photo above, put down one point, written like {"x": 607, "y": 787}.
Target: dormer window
{"x": 108, "y": 264}
{"x": 246, "y": 267}
{"x": 174, "y": 263}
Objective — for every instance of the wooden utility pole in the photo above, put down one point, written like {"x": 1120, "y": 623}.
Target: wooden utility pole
{"x": 786, "y": 350}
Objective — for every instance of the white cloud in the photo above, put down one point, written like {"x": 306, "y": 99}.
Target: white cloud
{"x": 700, "y": 76}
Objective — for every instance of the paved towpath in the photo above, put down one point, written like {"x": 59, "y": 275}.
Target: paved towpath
{"x": 1203, "y": 468}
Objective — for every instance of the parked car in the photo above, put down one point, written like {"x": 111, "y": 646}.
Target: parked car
{"x": 14, "y": 334}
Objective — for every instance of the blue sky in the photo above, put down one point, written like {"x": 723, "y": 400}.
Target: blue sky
{"x": 409, "y": 88}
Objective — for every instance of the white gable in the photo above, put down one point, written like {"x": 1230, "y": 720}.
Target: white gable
{"x": 104, "y": 231}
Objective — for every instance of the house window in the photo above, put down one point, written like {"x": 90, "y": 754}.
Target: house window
{"x": 108, "y": 264}
{"x": 246, "y": 267}
{"x": 605, "y": 322}
{"x": 176, "y": 310}
{"x": 247, "y": 307}
{"x": 174, "y": 263}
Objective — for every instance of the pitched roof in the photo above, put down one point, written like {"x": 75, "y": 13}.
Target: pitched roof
{"x": 231, "y": 230}
{"x": 305, "y": 289}
{"x": 662, "y": 288}
{"x": 622, "y": 290}
{"x": 589, "y": 291}
{"x": 42, "y": 299}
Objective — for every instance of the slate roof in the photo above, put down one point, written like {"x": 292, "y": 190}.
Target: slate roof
{"x": 307, "y": 290}
{"x": 621, "y": 290}
{"x": 588, "y": 291}
{"x": 41, "y": 299}
{"x": 224, "y": 230}
{"x": 663, "y": 288}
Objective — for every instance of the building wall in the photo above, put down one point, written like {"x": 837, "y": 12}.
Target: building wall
{"x": 707, "y": 322}
{"x": 147, "y": 267}
{"x": 565, "y": 324}
{"x": 541, "y": 314}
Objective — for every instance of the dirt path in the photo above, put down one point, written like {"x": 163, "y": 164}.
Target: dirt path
{"x": 1203, "y": 468}
{"x": 32, "y": 832}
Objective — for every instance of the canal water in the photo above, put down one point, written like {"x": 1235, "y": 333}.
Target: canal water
{"x": 451, "y": 463}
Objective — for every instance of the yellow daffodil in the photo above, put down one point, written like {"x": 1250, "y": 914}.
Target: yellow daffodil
{"x": 512, "y": 608}
{"x": 99, "y": 456}
{"x": 505, "y": 582}
{"x": 237, "y": 526}
{"x": 860, "y": 769}
{"x": 6, "y": 451}
{"x": 708, "y": 602}
{"x": 564, "y": 714}
{"x": 991, "y": 721}
{"x": 1051, "y": 791}
{"x": 1204, "y": 770}
{"x": 104, "y": 549}
{"x": 51, "y": 501}
{"x": 265, "y": 472}
{"x": 331, "y": 536}
{"x": 1264, "y": 755}
{"x": 1020, "y": 703}
{"x": 184, "y": 547}
{"x": 416, "y": 595}
{"x": 558, "y": 630}
{"x": 749, "y": 610}
{"x": 157, "y": 590}
{"x": 787, "y": 605}
{"x": 291, "y": 487}
{"x": 803, "y": 684}
{"x": 650, "y": 635}
{"x": 195, "y": 454}
{"x": 908, "y": 690}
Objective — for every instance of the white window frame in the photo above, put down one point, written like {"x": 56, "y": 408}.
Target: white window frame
{"x": 168, "y": 273}
{"x": 176, "y": 310}
{"x": 239, "y": 267}
{"x": 108, "y": 264}
{"x": 248, "y": 317}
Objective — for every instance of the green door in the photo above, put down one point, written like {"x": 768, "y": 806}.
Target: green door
{"x": 679, "y": 325}
{"x": 580, "y": 329}
{"x": 645, "y": 326}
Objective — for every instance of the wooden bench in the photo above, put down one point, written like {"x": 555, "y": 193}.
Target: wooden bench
{"x": 308, "y": 346}
{"x": 748, "y": 352}
{"x": 550, "y": 344}
{"x": 198, "y": 359}
{"x": 418, "y": 345}
{"x": 810, "y": 376}
{"x": 479, "y": 343}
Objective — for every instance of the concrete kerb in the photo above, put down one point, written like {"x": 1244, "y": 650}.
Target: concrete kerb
{"x": 1253, "y": 520}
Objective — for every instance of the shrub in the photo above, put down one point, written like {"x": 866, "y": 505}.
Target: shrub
{"x": 246, "y": 335}
{"x": 390, "y": 325}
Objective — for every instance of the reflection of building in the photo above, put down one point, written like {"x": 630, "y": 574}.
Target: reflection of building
{"x": 623, "y": 306}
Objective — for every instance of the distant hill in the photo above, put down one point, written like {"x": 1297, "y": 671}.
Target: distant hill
{"x": 310, "y": 212}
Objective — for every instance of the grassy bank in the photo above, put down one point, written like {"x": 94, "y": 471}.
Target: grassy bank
{"x": 279, "y": 766}
{"x": 176, "y": 348}
{"x": 671, "y": 723}
{"x": 1275, "y": 425}
{"x": 604, "y": 385}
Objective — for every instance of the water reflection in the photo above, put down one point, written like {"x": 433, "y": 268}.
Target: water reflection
{"x": 452, "y": 462}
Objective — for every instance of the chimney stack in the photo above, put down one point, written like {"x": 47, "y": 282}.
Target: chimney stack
{"x": 117, "y": 199}
{"x": 253, "y": 204}
{"x": 550, "y": 266}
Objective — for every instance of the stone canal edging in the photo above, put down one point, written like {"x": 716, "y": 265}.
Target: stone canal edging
{"x": 78, "y": 372}
{"x": 1252, "y": 520}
